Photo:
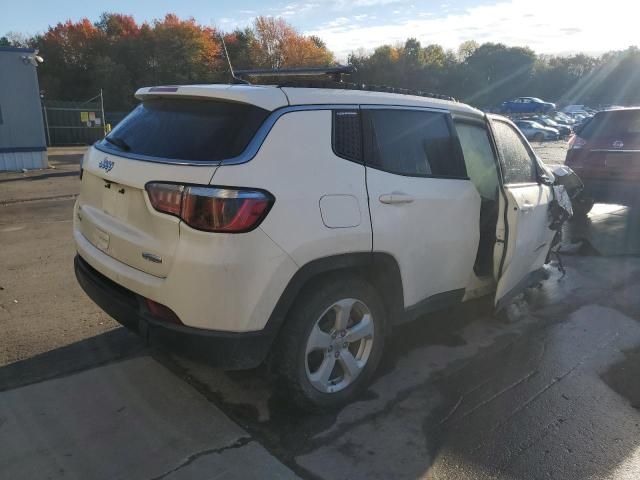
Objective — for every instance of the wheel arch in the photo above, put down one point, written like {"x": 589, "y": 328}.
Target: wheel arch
{"x": 381, "y": 269}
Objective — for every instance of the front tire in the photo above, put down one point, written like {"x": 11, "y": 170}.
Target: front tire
{"x": 582, "y": 205}
{"x": 331, "y": 343}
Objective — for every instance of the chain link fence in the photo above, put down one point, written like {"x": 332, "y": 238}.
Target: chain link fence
{"x": 74, "y": 123}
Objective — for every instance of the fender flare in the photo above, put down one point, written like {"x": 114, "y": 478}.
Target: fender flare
{"x": 382, "y": 266}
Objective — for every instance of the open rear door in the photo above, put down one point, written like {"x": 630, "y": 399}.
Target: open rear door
{"x": 523, "y": 234}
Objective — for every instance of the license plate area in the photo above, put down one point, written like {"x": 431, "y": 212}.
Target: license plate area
{"x": 115, "y": 200}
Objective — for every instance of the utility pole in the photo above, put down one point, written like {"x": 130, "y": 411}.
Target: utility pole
{"x": 46, "y": 118}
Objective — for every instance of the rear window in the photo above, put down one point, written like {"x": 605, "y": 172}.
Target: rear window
{"x": 618, "y": 124}
{"x": 185, "y": 129}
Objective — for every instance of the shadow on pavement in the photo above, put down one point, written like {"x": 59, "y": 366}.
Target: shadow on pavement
{"x": 42, "y": 176}
{"x": 609, "y": 230}
{"x": 90, "y": 353}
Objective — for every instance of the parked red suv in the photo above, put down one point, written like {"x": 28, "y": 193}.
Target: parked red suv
{"x": 605, "y": 153}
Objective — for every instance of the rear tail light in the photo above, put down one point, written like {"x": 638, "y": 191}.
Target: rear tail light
{"x": 212, "y": 209}
{"x": 575, "y": 142}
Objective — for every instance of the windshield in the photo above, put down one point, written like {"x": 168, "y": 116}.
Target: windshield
{"x": 187, "y": 129}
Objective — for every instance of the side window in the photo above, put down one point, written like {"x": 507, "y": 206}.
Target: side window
{"x": 518, "y": 163}
{"x": 411, "y": 142}
{"x": 479, "y": 159}
{"x": 347, "y": 138}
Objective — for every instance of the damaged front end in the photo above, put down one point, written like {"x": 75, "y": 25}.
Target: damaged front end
{"x": 567, "y": 189}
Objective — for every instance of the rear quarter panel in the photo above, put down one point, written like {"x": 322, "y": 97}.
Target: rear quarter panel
{"x": 297, "y": 165}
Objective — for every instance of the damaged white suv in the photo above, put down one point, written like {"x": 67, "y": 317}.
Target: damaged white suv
{"x": 241, "y": 222}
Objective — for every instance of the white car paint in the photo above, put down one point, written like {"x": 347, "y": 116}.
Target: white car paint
{"x": 419, "y": 232}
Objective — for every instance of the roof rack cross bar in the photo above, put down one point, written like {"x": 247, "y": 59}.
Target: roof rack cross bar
{"x": 335, "y": 72}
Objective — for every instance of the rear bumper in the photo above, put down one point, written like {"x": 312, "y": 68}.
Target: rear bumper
{"x": 612, "y": 191}
{"x": 224, "y": 349}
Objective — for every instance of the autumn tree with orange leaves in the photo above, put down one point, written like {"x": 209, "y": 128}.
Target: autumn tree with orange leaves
{"x": 119, "y": 55}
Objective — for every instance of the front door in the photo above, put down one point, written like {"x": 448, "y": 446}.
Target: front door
{"x": 524, "y": 237}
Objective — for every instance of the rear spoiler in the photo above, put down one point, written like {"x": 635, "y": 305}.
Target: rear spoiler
{"x": 267, "y": 97}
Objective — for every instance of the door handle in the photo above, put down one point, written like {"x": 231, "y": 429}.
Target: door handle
{"x": 395, "y": 198}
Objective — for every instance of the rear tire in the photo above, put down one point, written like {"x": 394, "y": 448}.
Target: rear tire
{"x": 538, "y": 137}
{"x": 331, "y": 343}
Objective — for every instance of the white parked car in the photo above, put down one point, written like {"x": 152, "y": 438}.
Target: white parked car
{"x": 301, "y": 225}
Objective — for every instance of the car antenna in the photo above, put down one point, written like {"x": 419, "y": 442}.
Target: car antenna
{"x": 226, "y": 54}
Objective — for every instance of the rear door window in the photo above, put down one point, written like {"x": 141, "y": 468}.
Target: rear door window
{"x": 185, "y": 129}
{"x": 621, "y": 124}
{"x": 518, "y": 162}
{"x": 412, "y": 142}
{"x": 479, "y": 158}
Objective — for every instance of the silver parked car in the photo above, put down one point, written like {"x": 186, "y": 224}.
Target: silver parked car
{"x": 537, "y": 132}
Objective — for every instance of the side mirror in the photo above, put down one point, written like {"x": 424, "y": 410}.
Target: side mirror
{"x": 545, "y": 179}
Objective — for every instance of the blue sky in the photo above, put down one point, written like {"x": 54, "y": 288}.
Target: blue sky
{"x": 547, "y": 26}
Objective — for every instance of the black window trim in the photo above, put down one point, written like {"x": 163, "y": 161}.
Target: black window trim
{"x": 527, "y": 147}
{"x": 357, "y": 109}
{"x": 459, "y": 157}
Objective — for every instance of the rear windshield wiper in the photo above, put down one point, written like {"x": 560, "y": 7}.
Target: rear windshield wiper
{"x": 118, "y": 142}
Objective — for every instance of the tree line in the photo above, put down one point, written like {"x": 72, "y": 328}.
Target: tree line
{"x": 119, "y": 55}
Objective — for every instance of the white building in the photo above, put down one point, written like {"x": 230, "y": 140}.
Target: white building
{"x": 22, "y": 138}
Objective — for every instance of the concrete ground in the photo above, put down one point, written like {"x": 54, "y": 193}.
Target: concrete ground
{"x": 553, "y": 393}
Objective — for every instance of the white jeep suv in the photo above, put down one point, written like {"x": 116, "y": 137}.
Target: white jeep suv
{"x": 241, "y": 222}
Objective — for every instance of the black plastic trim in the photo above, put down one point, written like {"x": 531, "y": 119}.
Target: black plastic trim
{"x": 383, "y": 262}
{"x": 359, "y": 161}
{"x": 224, "y": 349}
{"x": 433, "y": 303}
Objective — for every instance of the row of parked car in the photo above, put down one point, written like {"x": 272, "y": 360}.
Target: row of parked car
{"x": 539, "y": 120}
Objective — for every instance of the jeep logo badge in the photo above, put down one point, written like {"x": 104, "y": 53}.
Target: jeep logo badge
{"x": 618, "y": 144}
{"x": 106, "y": 164}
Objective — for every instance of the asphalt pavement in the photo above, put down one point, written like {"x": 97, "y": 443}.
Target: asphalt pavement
{"x": 550, "y": 392}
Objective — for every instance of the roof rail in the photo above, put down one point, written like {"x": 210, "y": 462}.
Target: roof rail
{"x": 335, "y": 72}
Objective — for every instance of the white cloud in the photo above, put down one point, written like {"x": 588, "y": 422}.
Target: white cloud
{"x": 547, "y": 26}
{"x": 353, "y": 4}
{"x": 338, "y": 22}
{"x": 294, "y": 9}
